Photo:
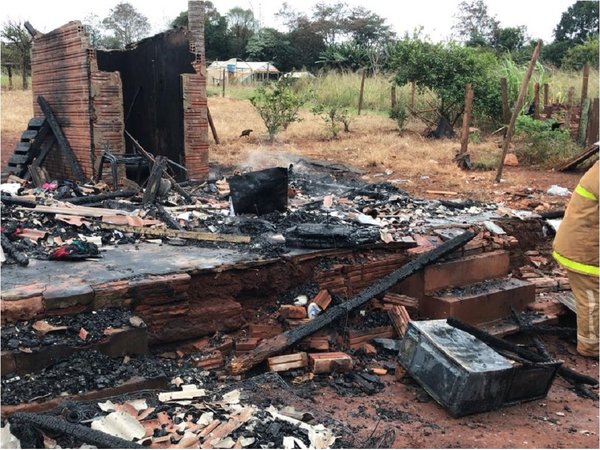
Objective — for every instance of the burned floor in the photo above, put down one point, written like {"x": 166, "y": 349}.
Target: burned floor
{"x": 291, "y": 307}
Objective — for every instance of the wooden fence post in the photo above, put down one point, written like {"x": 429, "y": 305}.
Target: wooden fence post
{"x": 583, "y": 122}
{"x": 362, "y": 90}
{"x": 584, "y": 83}
{"x": 413, "y": 88}
{"x": 517, "y": 108}
{"x": 569, "y": 111}
{"x": 536, "y": 101}
{"x": 223, "y": 83}
{"x": 505, "y": 108}
{"x": 592, "y": 129}
{"x": 546, "y": 95}
{"x": 464, "y": 141}
{"x": 393, "y": 97}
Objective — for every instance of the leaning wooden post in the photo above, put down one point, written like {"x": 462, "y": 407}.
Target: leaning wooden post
{"x": 10, "y": 80}
{"x": 212, "y": 126}
{"x": 464, "y": 141}
{"x": 517, "y": 108}
{"x": 362, "y": 90}
{"x": 593, "y": 122}
{"x": 584, "y": 83}
{"x": 546, "y": 95}
{"x": 569, "y": 112}
{"x": 505, "y": 108}
{"x": 536, "y": 101}
{"x": 393, "y": 97}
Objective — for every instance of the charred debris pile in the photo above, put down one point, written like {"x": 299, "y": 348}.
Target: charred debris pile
{"x": 310, "y": 205}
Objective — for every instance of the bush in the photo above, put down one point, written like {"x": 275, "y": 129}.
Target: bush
{"x": 537, "y": 144}
{"x": 398, "y": 113}
{"x": 576, "y": 57}
{"x": 278, "y": 105}
{"x": 333, "y": 115}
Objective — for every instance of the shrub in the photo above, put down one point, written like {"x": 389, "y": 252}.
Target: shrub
{"x": 333, "y": 115}
{"x": 398, "y": 113}
{"x": 536, "y": 143}
{"x": 278, "y": 105}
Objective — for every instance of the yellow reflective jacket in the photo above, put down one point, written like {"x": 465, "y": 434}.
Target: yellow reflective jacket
{"x": 576, "y": 241}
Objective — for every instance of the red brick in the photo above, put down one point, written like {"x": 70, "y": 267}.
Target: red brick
{"x": 466, "y": 270}
{"x": 480, "y": 308}
{"x": 25, "y": 309}
{"x": 66, "y": 295}
{"x": 110, "y": 294}
{"x": 22, "y": 292}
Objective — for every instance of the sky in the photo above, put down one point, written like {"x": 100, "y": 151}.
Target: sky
{"x": 436, "y": 16}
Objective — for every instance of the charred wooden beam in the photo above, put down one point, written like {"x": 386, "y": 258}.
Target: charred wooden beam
{"x": 63, "y": 143}
{"x": 279, "y": 343}
{"x": 168, "y": 218}
{"x": 79, "y": 432}
{"x": 568, "y": 374}
{"x": 10, "y": 200}
{"x": 101, "y": 197}
{"x": 12, "y": 251}
{"x": 158, "y": 170}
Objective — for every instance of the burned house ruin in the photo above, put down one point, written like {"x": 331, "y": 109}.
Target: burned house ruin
{"x": 154, "y": 92}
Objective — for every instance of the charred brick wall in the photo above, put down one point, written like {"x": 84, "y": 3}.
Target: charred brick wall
{"x": 86, "y": 102}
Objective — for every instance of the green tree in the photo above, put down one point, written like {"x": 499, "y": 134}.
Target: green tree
{"x": 446, "y": 69}
{"x": 578, "y": 23}
{"x": 271, "y": 45}
{"x": 241, "y": 24}
{"x": 576, "y": 57}
{"x": 216, "y": 41}
{"x": 473, "y": 24}
{"x": 16, "y": 47}
{"x": 278, "y": 105}
{"x": 126, "y": 25}
{"x": 508, "y": 40}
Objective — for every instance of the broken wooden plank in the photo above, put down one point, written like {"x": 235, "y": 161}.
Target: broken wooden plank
{"x": 579, "y": 158}
{"x": 288, "y": 362}
{"x": 330, "y": 362}
{"x": 441, "y": 192}
{"x": 279, "y": 343}
{"x": 400, "y": 318}
{"x": 83, "y": 211}
{"x": 63, "y": 143}
{"x": 163, "y": 232}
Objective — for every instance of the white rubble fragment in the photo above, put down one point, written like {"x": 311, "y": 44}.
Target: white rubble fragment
{"x": 558, "y": 191}
{"x": 291, "y": 442}
{"x": 188, "y": 392}
{"x": 493, "y": 228}
{"x": 232, "y": 397}
{"x": 301, "y": 300}
{"x": 120, "y": 424}
{"x": 7, "y": 439}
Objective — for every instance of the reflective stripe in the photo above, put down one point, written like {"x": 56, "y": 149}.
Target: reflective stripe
{"x": 575, "y": 266}
{"x": 585, "y": 193}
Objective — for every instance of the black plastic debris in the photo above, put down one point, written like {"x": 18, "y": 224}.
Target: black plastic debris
{"x": 260, "y": 192}
{"x": 316, "y": 235}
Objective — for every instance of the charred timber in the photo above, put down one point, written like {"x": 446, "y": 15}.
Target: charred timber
{"x": 101, "y": 197}
{"x": 568, "y": 374}
{"x": 11, "y": 251}
{"x": 79, "y": 432}
{"x": 279, "y": 343}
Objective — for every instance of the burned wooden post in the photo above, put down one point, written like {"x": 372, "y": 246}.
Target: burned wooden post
{"x": 63, "y": 143}
{"x": 10, "y": 74}
{"x": 517, "y": 108}
{"x": 569, "y": 112}
{"x": 536, "y": 101}
{"x": 583, "y": 121}
{"x": 584, "y": 83}
{"x": 12, "y": 251}
{"x": 57, "y": 424}
{"x": 505, "y": 108}
{"x": 154, "y": 180}
{"x": 223, "y": 84}
{"x": 212, "y": 126}
{"x": 362, "y": 90}
{"x": 464, "y": 141}
{"x": 546, "y": 95}
{"x": 279, "y": 343}
{"x": 394, "y": 99}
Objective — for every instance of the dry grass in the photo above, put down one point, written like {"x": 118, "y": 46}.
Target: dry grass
{"x": 17, "y": 109}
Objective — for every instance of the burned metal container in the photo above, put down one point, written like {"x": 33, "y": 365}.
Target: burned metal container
{"x": 465, "y": 375}
{"x": 260, "y": 192}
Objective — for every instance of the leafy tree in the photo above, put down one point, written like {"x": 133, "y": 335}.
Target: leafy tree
{"x": 333, "y": 115}
{"x": 508, "y": 40}
{"x": 330, "y": 20}
{"x": 554, "y": 53}
{"x": 366, "y": 27}
{"x": 16, "y": 47}
{"x": 576, "y": 57}
{"x": 269, "y": 44}
{"x": 241, "y": 28}
{"x": 278, "y": 105}
{"x": 345, "y": 56}
{"x": 578, "y": 23}
{"x": 126, "y": 24}
{"x": 216, "y": 41}
{"x": 446, "y": 69}
{"x": 473, "y": 22}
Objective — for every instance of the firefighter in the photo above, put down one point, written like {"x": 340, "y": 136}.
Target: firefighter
{"x": 576, "y": 249}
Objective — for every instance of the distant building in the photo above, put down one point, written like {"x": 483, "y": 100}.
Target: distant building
{"x": 237, "y": 71}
